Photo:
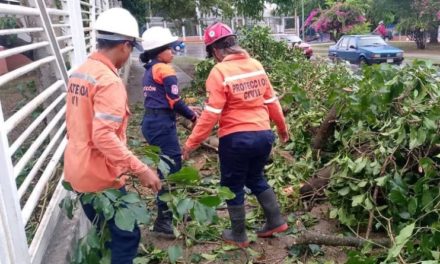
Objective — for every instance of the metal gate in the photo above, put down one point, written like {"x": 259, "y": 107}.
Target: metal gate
{"x": 32, "y": 137}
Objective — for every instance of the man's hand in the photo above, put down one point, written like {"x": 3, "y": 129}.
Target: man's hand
{"x": 149, "y": 179}
{"x": 196, "y": 109}
{"x": 185, "y": 153}
{"x": 284, "y": 136}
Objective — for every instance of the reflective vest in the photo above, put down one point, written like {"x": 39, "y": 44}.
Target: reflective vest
{"x": 240, "y": 97}
{"x": 97, "y": 117}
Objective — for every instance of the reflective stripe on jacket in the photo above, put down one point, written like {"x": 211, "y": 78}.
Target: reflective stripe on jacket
{"x": 240, "y": 97}
{"x": 97, "y": 117}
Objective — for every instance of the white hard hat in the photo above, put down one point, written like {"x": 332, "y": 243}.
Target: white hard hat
{"x": 120, "y": 22}
{"x": 156, "y": 37}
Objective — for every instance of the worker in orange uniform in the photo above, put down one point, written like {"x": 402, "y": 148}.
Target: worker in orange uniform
{"x": 242, "y": 100}
{"x": 162, "y": 102}
{"x": 96, "y": 156}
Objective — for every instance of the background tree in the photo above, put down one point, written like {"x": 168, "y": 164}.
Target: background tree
{"x": 139, "y": 9}
{"x": 337, "y": 20}
{"x": 419, "y": 19}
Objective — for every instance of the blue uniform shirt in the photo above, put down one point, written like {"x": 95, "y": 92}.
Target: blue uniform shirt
{"x": 161, "y": 90}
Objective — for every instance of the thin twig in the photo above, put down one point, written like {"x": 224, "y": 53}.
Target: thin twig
{"x": 370, "y": 219}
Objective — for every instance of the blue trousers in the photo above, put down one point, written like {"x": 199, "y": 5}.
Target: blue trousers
{"x": 124, "y": 244}
{"x": 243, "y": 156}
{"x": 160, "y": 130}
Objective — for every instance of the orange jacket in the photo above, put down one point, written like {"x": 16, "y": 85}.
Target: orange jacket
{"x": 241, "y": 97}
{"x": 97, "y": 117}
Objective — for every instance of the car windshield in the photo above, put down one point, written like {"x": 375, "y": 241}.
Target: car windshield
{"x": 371, "y": 41}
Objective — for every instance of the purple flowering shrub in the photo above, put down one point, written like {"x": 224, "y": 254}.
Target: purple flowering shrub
{"x": 338, "y": 20}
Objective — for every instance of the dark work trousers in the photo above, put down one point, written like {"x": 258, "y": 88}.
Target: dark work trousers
{"x": 159, "y": 129}
{"x": 124, "y": 244}
{"x": 243, "y": 156}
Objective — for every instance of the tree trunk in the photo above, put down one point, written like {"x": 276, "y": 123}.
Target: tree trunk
{"x": 433, "y": 35}
{"x": 419, "y": 36}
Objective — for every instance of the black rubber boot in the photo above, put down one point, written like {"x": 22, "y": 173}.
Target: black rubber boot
{"x": 274, "y": 220}
{"x": 237, "y": 234}
{"x": 163, "y": 226}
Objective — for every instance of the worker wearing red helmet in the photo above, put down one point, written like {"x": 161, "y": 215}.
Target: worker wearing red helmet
{"x": 242, "y": 100}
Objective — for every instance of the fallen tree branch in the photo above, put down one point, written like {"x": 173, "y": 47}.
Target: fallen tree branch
{"x": 325, "y": 130}
{"x": 315, "y": 184}
{"x": 307, "y": 237}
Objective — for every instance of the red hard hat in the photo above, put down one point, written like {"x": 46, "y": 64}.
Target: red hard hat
{"x": 216, "y": 32}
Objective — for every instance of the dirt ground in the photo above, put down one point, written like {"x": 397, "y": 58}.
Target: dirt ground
{"x": 273, "y": 250}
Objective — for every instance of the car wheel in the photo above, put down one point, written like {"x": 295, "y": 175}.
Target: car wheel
{"x": 363, "y": 61}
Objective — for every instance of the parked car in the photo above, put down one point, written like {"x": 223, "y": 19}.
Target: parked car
{"x": 295, "y": 42}
{"x": 365, "y": 49}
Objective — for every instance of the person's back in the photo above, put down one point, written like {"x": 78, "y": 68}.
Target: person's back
{"x": 246, "y": 85}
{"x": 96, "y": 155}
{"x": 95, "y": 74}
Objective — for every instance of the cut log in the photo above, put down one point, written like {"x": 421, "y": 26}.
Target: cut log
{"x": 308, "y": 237}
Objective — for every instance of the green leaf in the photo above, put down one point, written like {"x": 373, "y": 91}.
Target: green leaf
{"x": 357, "y": 200}
{"x": 174, "y": 253}
{"x": 112, "y": 194}
{"x": 124, "y": 219}
{"x": 93, "y": 238}
{"x": 101, "y": 202}
{"x": 413, "y": 142}
{"x": 401, "y": 240}
{"x": 108, "y": 212}
{"x": 405, "y": 215}
{"x": 209, "y": 257}
{"x": 381, "y": 181}
{"x": 427, "y": 200}
{"x": 210, "y": 201}
{"x": 184, "y": 206}
{"x": 225, "y": 193}
{"x": 368, "y": 204}
{"x": 412, "y": 205}
{"x": 315, "y": 249}
{"x": 362, "y": 184}
{"x": 334, "y": 213}
{"x": 203, "y": 213}
{"x": 87, "y": 198}
{"x": 344, "y": 191}
{"x": 67, "y": 186}
{"x": 429, "y": 124}
{"x": 166, "y": 197}
{"x": 67, "y": 205}
{"x": 360, "y": 164}
{"x": 131, "y": 197}
{"x": 140, "y": 213}
{"x": 186, "y": 176}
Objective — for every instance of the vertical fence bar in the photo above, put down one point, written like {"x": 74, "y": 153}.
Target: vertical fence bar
{"x": 77, "y": 31}
{"x": 13, "y": 244}
{"x": 92, "y": 23}
{"x": 52, "y": 38}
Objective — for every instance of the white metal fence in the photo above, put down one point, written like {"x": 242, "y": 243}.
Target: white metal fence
{"x": 32, "y": 137}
